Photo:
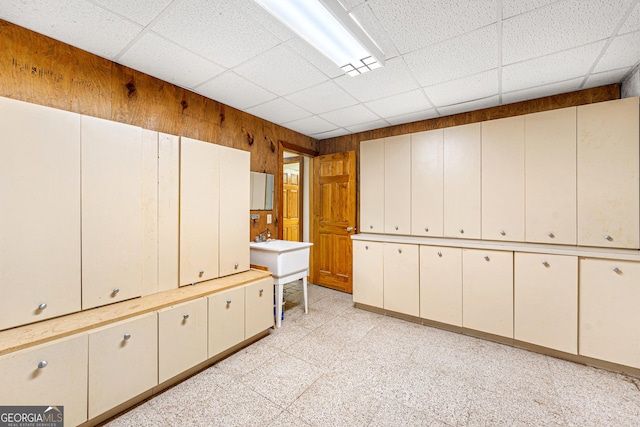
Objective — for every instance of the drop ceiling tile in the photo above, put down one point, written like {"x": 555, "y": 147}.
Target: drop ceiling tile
{"x": 624, "y": 51}
{"x": 478, "y": 86}
{"x": 351, "y": 4}
{"x": 160, "y": 58}
{"x": 281, "y": 71}
{"x": 314, "y": 57}
{"x": 310, "y": 125}
{"x": 368, "y": 126}
{"x": 392, "y": 79}
{"x": 562, "y": 25}
{"x": 516, "y": 7}
{"x": 369, "y": 21}
{"x": 412, "y": 117}
{"x": 231, "y": 89}
{"x": 215, "y": 29}
{"x": 633, "y": 21}
{"x": 265, "y": 19}
{"x": 74, "y": 22}
{"x": 330, "y": 134}
{"x": 350, "y": 116}
{"x": 415, "y": 24}
{"x": 552, "y": 68}
{"x": 322, "y": 98}
{"x": 542, "y": 91}
{"x": 140, "y": 11}
{"x": 404, "y": 103}
{"x": 606, "y": 78}
{"x": 461, "y": 56}
{"x": 478, "y": 104}
{"x": 278, "y": 111}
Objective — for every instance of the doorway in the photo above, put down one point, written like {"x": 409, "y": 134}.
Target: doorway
{"x": 292, "y": 192}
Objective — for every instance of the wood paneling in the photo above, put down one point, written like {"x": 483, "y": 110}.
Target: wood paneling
{"x": 40, "y": 70}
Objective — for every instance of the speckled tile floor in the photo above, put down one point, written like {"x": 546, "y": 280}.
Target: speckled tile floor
{"x": 340, "y": 366}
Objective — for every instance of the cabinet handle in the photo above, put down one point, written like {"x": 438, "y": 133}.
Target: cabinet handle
{"x": 396, "y": 227}
{"x": 115, "y": 291}
{"x": 545, "y": 263}
{"x": 261, "y": 291}
{"x": 228, "y": 301}
{"x": 366, "y": 248}
{"x": 617, "y": 270}
{"x": 461, "y": 231}
{"x": 426, "y": 229}
{"x": 486, "y": 257}
{"x": 551, "y": 235}
{"x": 439, "y": 253}
{"x": 607, "y": 237}
{"x": 235, "y": 265}
{"x": 127, "y": 337}
{"x": 502, "y": 233}
{"x": 200, "y": 273}
{"x": 399, "y": 251}
{"x": 371, "y": 227}
{"x": 42, "y": 306}
{"x": 185, "y": 316}
{"x": 42, "y": 364}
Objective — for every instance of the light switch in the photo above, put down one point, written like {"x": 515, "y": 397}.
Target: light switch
{"x": 268, "y": 218}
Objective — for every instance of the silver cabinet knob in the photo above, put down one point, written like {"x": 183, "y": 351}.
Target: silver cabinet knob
{"x": 371, "y": 227}
{"x": 42, "y": 306}
{"x": 396, "y": 227}
{"x": 461, "y": 231}
{"x": 551, "y": 235}
{"x": 42, "y": 364}
{"x": 399, "y": 251}
{"x": 617, "y": 270}
{"x": 366, "y": 248}
{"x": 545, "y": 263}
{"x": 228, "y": 301}
{"x": 235, "y": 265}
{"x": 127, "y": 337}
{"x": 426, "y": 229}
{"x": 439, "y": 253}
{"x": 115, "y": 291}
{"x": 185, "y": 316}
{"x": 261, "y": 291}
{"x": 486, "y": 257}
{"x": 200, "y": 273}
{"x": 502, "y": 233}
{"x": 607, "y": 237}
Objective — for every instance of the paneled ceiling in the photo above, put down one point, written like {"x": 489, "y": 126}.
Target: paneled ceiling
{"x": 442, "y": 56}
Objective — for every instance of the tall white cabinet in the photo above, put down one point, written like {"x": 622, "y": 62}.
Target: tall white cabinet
{"x": 397, "y": 185}
{"x": 372, "y": 184}
{"x": 427, "y": 177}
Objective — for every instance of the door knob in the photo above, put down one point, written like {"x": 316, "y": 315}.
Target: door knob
{"x": 351, "y": 229}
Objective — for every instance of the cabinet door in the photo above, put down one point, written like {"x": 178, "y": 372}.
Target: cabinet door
{"x": 503, "y": 179}
{"x": 149, "y": 212}
{"x": 168, "y": 211}
{"x": 226, "y": 320}
{"x": 182, "y": 338}
{"x": 199, "y": 215}
{"x": 441, "y": 284}
{"x": 609, "y": 315}
{"x": 123, "y": 362}
{"x": 397, "y": 185}
{"x": 39, "y": 213}
{"x": 234, "y": 204}
{"x": 368, "y": 273}
{"x": 372, "y": 184}
{"x": 550, "y": 176}
{"x": 258, "y": 303}
{"x": 427, "y": 183}
{"x": 487, "y": 289}
{"x": 112, "y": 235}
{"x": 462, "y": 181}
{"x": 48, "y": 374}
{"x": 546, "y": 300}
{"x": 401, "y": 279}
{"x": 609, "y": 174}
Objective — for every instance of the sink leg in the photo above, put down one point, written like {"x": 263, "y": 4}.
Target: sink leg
{"x": 278, "y": 289}
{"x": 304, "y": 291}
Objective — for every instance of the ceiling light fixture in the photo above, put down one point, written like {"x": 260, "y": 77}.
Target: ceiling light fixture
{"x": 328, "y": 27}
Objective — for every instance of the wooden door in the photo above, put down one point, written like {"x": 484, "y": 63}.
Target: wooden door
{"x": 397, "y": 185}
{"x": 550, "y": 176}
{"x": 441, "y": 284}
{"x": 291, "y": 200}
{"x": 368, "y": 273}
{"x": 503, "y": 179}
{"x": 401, "y": 278}
{"x": 334, "y": 219}
{"x": 427, "y": 183}
{"x": 372, "y": 186}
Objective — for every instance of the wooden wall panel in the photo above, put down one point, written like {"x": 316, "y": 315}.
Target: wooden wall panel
{"x": 40, "y": 70}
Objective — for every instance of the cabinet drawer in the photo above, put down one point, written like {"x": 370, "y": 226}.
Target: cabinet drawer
{"x": 123, "y": 362}
{"x": 48, "y": 374}
{"x": 182, "y": 338}
{"x": 226, "y": 320}
{"x": 258, "y": 307}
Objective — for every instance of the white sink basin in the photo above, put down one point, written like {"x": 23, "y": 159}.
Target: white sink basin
{"x": 284, "y": 258}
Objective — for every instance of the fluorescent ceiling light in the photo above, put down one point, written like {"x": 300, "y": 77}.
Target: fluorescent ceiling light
{"x": 327, "y": 26}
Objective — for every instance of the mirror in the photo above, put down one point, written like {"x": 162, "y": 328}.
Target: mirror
{"x": 261, "y": 191}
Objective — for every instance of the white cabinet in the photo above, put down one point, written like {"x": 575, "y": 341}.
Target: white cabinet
{"x": 487, "y": 289}
{"x": 546, "y": 300}
{"x": 123, "y": 362}
{"x": 372, "y": 183}
{"x": 112, "y": 235}
{"x": 462, "y": 190}
{"x": 258, "y": 303}
{"x": 609, "y": 315}
{"x": 609, "y": 174}
{"x": 49, "y": 374}
{"x": 226, "y": 320}
{"x": 401, "y": 278}
{"x": 234, "y": 204}
{"x": 550, "y": 176}
{"x": 199, "y": 211}
{"x": 368, "y": 280}
{"x": 182, "y": 338}
{"x": 503, "y": 179}
{"x": 397, "y": 185}
{"x": 168, "y": 211}
{"x": 39, "y": 213}
{"x": 427, "y": 163}
{"x": 441, "y": 284}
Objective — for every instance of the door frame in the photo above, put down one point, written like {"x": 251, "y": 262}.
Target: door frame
{"x": 288, "y": 161}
